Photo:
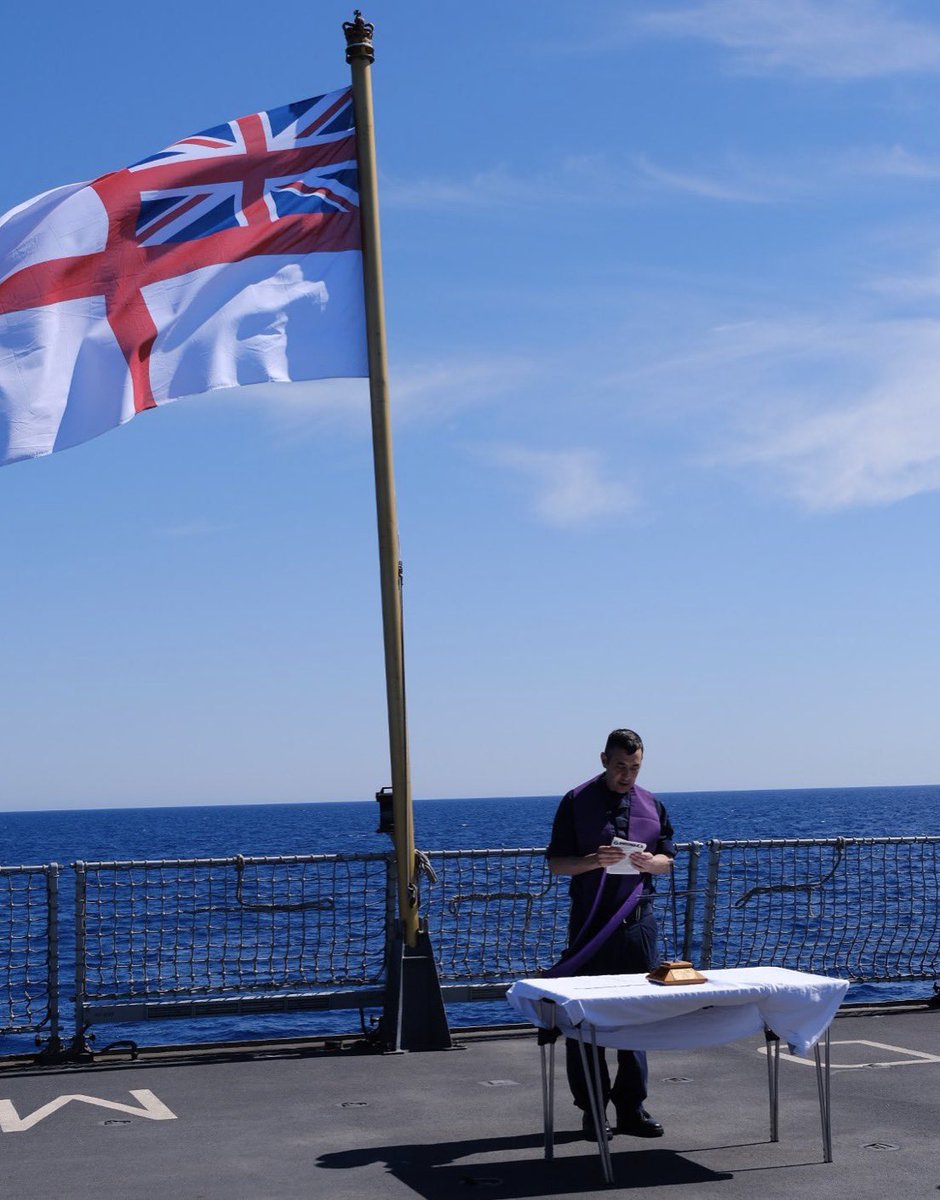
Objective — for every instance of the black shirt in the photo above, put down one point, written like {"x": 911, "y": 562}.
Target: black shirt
{"x": 564, "y": 844}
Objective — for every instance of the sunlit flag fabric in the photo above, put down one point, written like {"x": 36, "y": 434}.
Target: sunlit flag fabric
{"x": 232, "y": 257}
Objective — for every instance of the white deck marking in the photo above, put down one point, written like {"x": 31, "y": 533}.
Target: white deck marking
{"x": 910, "y": 1058}
{"x": 150, "y": 1107}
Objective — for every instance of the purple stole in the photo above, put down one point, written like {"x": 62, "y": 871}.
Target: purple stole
{"x": 594, "y": 828}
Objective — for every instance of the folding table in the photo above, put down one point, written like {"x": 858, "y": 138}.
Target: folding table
{"x": 628, "y": 1012}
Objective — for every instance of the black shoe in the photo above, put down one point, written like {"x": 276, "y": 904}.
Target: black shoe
{"x": 587, "y": 1128}
{"x": 639, "y": 1124}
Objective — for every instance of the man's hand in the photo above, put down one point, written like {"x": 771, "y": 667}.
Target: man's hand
{"x": 608, "y": 855}
{"x": 603, "y": 857}
{"x": 652, "y": 864}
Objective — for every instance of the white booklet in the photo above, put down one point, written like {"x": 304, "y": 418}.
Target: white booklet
{"x": 625, "y": 866}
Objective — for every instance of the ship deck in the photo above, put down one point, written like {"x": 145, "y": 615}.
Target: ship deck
{"x": 327, "y": 1118}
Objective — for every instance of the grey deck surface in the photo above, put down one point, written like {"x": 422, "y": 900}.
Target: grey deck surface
{"x": 310, "y": 1122}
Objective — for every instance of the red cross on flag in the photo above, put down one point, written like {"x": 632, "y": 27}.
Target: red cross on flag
{"x": 232, "y": 257}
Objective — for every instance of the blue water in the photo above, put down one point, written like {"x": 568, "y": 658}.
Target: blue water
{"x": 285, "y": 829}
{"x": 203, "y": 832}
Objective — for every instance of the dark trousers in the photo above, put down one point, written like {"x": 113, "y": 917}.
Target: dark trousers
{"x": 629, "y": 1087}
{"x": 630, "y": 949}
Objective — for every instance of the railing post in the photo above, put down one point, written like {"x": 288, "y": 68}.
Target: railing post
{"x": 79, "y": 1042}
{"x": 691, "y": 900}
{"x": 711, "y": 902}
{"x": 52, "y": 955}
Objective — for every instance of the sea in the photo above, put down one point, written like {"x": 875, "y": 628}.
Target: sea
{"x": 493, "y": 822}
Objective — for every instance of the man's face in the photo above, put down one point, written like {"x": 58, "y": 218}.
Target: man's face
{"x": 621, "y": 769}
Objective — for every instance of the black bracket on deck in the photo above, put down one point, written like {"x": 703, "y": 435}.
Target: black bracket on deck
{"x": 413, "y": 1017}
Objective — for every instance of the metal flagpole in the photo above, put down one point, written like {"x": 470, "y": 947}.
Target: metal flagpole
{"x": 413, "y": 1017}
{"x": 360, "y": 56}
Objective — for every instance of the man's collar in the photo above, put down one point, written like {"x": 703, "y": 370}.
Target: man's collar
{"x": 616, "y": 797}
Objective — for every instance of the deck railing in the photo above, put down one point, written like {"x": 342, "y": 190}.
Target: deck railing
{"x": 867, "y": 909}
{"x": 194, "y": 937}
{"x": 29, "y": 951}
{"x": 190, "y": 937}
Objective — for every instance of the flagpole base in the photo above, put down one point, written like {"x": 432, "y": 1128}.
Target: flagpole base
{"x": 413, "y": 1017}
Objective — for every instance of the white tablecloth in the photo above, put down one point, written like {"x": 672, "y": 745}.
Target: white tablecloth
{"x": 629, "y": 1012}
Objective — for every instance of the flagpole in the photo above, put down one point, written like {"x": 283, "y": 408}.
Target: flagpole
{"x": 360, "y": 56}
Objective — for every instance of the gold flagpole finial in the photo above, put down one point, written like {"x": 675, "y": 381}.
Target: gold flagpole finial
{"x": 359, "y": 38}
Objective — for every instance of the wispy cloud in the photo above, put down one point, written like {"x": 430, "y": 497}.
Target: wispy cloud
{"x": 824, "y": 39}
{"x": 438, "y": 389}
{"x": 594, "y": 180}
{"x": 495, "y": 187}
{"x": 893, "y": 162}
{"x": 882, "y": 452}
{"x": 832, "y": 413}
{"x": 191, "y": 529}
{"x": 589, "y": 181}
{"x": 877, "y": 445}
{"x": 740, "y": 183}
{"x": 744, "y": 179}
{"x": 569, "y": 487}
{"x": 297, "y": 408}
{"x": 426, "y": 391}
{"x": 923, "y": 286}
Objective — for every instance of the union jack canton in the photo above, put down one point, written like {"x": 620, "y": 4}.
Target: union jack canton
{"x": 306, "y": 164}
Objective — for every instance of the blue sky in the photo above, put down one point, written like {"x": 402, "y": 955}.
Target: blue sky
{"x": 663, "y": 288}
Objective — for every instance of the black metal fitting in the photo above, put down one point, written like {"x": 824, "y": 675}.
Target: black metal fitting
{"x": 386, "y": 811}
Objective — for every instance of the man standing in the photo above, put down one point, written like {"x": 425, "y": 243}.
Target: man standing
{"x": 612, "y": 929}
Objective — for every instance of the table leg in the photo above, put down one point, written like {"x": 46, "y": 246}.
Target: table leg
{"x": 548, "y": 1099}
{"x": 773, "y": 1083}
{"x": 596, "y": 1096}
{"x": 547, "y": 1021}
{"x": 822, "y": 1084}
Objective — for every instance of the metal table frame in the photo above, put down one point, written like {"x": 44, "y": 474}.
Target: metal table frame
{"x": 593, "y": 1077}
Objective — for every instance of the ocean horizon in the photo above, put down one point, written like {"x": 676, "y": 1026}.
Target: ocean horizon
{"x": 350, "y": 826}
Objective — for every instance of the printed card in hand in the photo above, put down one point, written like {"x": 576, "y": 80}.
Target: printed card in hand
{"x": 625, "y": 866}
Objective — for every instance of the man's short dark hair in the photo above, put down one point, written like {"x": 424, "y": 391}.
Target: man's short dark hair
{"x": 624, "y": 739}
